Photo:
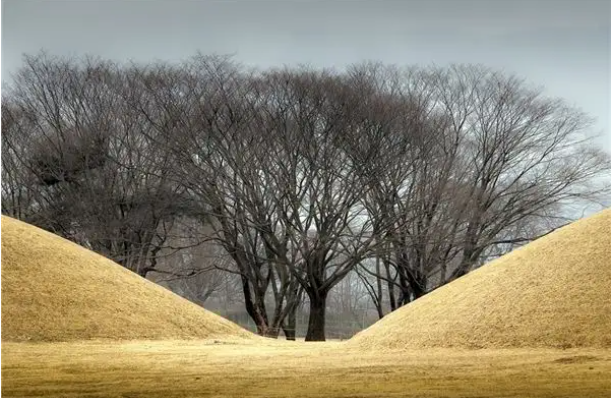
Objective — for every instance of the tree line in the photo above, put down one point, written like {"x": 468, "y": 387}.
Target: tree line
{"x": 293, "y": 178}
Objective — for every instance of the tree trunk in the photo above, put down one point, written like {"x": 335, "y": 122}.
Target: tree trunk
{"x": 404, "y": 289}
{"x": 379, "y": 290}
{"x": 390, "y": 288}
{"x": 418, "y": 285}
{"x": 255, "y": 308}
{"x": 272, "y": 332}
{"x": 470, "y": 251}
{"x": 316, "y": 321}
{"x": 290, "y": 327}
{"x": 290, "y": 332}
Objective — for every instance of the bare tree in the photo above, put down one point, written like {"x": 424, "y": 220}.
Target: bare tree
{"x": 209, "y": 112}
{"x": 524, "y": 155}
{"x": 484, "y": 157}
{"x": 197, "y": 272}
{"x": 405, "y": 158}
{"x": 318, "y": 192}
{"x": 85, "y": 170}
{"x": 205, "y": 173}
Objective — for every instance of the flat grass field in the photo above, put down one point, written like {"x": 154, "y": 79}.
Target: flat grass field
{"x": 281, "y": 369}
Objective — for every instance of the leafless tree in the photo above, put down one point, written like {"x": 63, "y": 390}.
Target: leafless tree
{"x": 406, "y": 158}
{"x": 501, "y": 158}
{"x": 197, "y": 272}
{"x": 312, "y": 114}
{"x": 378, "y": 181}
{"x": 210, "y": 127}
{"x": 85, "y": 170}
{"x": 524, "y": 155}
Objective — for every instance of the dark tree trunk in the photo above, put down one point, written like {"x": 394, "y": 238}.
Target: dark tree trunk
{"x": 418, "y": 285}
{"x": 404, "y": 297}
{"x": 255, "y": 308}
{"x": 404, "y": 289}
{"x": 142, "y": 272}
{"x": 405, "y": 277}
{"x": 272, "y": 332}
{"x": 391, "y": 288}
{"x": 316, "y": 322}
{"x": 290, "y": 332}
{"x": 379, "y": 290}
{"x": 470, "y": 251}
{"x": 260, "y": 319}
{"x": 290, "y": 327}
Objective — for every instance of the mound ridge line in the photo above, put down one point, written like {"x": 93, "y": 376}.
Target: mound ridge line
{"x": 56, "y": 290}
{"x": 554, "y": 292}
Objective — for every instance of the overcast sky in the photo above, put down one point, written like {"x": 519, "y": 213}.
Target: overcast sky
{"x": 563, "y": 45}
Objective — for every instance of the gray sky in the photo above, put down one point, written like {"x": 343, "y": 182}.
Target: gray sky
{"x": 563, "y": 45}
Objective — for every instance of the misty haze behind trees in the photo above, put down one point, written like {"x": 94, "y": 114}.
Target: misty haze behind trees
{"x": 286, "y": 197}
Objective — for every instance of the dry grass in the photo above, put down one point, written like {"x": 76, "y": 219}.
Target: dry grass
{"x": 197, "y": 369}
{"x": 554, "y": 292}
{"x": 522, "y": 309}
{"x": 55, "y": 290}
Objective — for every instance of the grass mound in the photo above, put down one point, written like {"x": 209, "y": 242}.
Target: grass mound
{"x": 554, "y": 292}
{"x": 55, "y": 290}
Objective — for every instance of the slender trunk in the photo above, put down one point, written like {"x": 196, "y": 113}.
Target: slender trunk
{"x": 404, "y": 290}
{"x": 316, "y": 321}
{"x": 418, "y": 285}
{"x": 470, "y": 250}
{"x": 379, "y": 290}
{"x": 261, "y": 316}
{"x": 142, "y": 272}
{"x": 289, "y": 331}
{"x": 390, "y": 287}
{"x": 290, "y": 327}
{"x": 255, "y": 308}
{"x": 443, "y": 269}
{"x": 272, "y": 332}
{"x": 404, "y": 298}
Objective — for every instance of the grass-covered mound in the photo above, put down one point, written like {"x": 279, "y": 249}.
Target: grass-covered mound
{"x": 554, "y": 292}
{"x": 55, "y": 290}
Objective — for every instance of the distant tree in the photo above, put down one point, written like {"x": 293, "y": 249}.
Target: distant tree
{"x": 524, "y": 156}
{"x": 318, "y": 194}
{"x": 210, "y": 114}
{"x": 377, "y": 183}
{"x": 501, "y": 157}
{"x": 79, "y": 164}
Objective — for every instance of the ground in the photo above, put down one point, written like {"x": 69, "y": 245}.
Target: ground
{"x": 280, "y": 369}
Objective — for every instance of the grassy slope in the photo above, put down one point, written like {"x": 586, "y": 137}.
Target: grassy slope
{"x": 193, "y": 369}
{"x": 55, "y": 290}
{"x": 262, "y": 368}
{"x": 554, "y": 292}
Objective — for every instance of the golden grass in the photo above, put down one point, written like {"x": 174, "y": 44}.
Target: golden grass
{"x": 554, "y": 292}
{"x": 522, "y": 309}
{"x": 277, "y": 369}
{"x": 55, "y": 290}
